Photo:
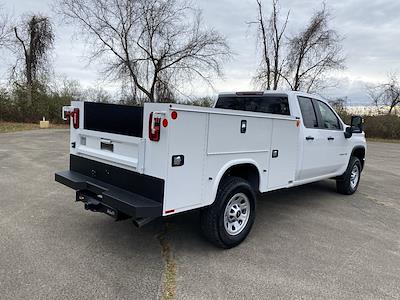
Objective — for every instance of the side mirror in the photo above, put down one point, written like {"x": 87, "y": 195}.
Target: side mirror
{"x": 357, "y": 123}
{"x": 348, "y": 132}
{"x": 356, "y": 126}
{"x": 66, "y": 110}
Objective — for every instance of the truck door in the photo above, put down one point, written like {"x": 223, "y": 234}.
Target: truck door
{"x": 331, "y": 133}
{"x": 313, "y": 159}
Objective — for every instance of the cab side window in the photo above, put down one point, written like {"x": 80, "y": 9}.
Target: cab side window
{"x": 329, "y": 119}
{"x": 308, "y": 112}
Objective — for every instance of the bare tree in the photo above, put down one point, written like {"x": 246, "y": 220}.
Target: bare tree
{"x": 313, "y": 52}
{"x": 155, "y": 43}
{"x": 34, "y": 39}
{"x": 375, "y": 94}
{"x": 202, "y": 101}
{"x": 386, "y": 94}
{"x": 96, "y": 94}
{"x": 340, "y": 104}
{"x": 4, "y": 29}
{"x": 271, "y": 35}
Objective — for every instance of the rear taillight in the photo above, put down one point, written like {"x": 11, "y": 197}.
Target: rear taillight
{"x": 75, "y": 118}
{"x": 154, "y": 128}
{"x": 74, "y": 115}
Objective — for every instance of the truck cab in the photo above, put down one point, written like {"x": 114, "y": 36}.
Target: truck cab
{"x": 324, "y": 148}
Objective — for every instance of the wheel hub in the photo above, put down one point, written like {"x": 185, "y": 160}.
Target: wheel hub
{"x": 237, "y": 214}
{"x": 354, "y": 176}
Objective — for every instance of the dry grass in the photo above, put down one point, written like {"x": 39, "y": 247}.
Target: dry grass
{"x": 383, "y": 140}
{"x": 13, "y": 127}
{"x": 170, "y": 270}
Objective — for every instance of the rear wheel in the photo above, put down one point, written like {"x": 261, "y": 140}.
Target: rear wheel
{"x": 228, "y": 221}
{"x": 348, "y": 183}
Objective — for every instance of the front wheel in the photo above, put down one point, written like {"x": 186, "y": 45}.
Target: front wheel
{"x": 348, "y": 184}
{"x": 227, "y": 222}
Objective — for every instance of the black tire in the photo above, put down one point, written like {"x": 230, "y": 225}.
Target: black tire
{"x": 344, "y": 185}
{"x": 212, "y": 217}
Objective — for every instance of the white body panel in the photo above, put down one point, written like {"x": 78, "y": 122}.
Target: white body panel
{"x": 211, "y": 142}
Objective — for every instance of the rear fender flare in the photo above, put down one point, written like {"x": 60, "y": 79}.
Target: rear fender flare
{"x": 222, "y": 172}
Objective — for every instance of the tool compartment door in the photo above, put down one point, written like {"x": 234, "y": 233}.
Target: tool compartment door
{"x": 187, "y": 134}
{"x": 284, "y": 149}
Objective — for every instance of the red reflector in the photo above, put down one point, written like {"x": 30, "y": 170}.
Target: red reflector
{"x": 75, "y": 118}
{"x": 170, "y": 211}
{"x": 154, "y": 128}
{"x": 165, "y": 122}
{"x": 174, "y": 115}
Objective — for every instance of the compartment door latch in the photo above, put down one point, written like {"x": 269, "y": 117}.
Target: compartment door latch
{"x": 243, "y": 126}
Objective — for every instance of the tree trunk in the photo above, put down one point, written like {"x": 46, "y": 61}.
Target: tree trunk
{"x": 265, "y": 46}
{"x": 29, "y": 81}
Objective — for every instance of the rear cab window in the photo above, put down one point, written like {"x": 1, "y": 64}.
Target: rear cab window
{"x": 308, "y": 112}
{"x": 272, "y": 104}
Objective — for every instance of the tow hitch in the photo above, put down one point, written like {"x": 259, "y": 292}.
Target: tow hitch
{"x": 93, "y": 204}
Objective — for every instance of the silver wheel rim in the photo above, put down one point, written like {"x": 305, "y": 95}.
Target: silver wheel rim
{"x": 354, "y": 177}
{"x": 237, "y": 213}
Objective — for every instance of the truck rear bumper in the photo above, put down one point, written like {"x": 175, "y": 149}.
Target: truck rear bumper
{"x": 110, "y": 199}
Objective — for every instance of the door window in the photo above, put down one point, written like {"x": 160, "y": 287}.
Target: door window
{"x": 308, "y": 112}
{"x": 329, "y": 119}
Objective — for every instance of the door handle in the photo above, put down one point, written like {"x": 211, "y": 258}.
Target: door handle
{"x": 104, "y": 141}
{"x": 309, "y": 138}
{"x": 331, "y": 138}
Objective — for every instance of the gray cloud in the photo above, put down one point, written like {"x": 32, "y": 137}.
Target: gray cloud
{"x": 370, "y": 29}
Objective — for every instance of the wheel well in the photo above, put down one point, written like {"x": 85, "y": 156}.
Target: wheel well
{"x": 248, "y": 172}
{"x": 359, "y": 152}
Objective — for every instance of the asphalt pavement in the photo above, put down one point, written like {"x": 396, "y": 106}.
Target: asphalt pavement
{"x": 307, "y": 243}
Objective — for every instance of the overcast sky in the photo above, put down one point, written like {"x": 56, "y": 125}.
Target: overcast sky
{"x": 371, "y": 30}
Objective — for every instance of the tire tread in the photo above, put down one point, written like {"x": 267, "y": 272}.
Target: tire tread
{"x": 210, "y": 215}
{"x": 343, "y": 184}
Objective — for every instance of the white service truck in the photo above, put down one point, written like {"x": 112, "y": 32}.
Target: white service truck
{"x": 163, "y": 159}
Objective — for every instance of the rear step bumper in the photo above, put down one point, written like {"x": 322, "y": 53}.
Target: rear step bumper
{"x": 103, "y": 197}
